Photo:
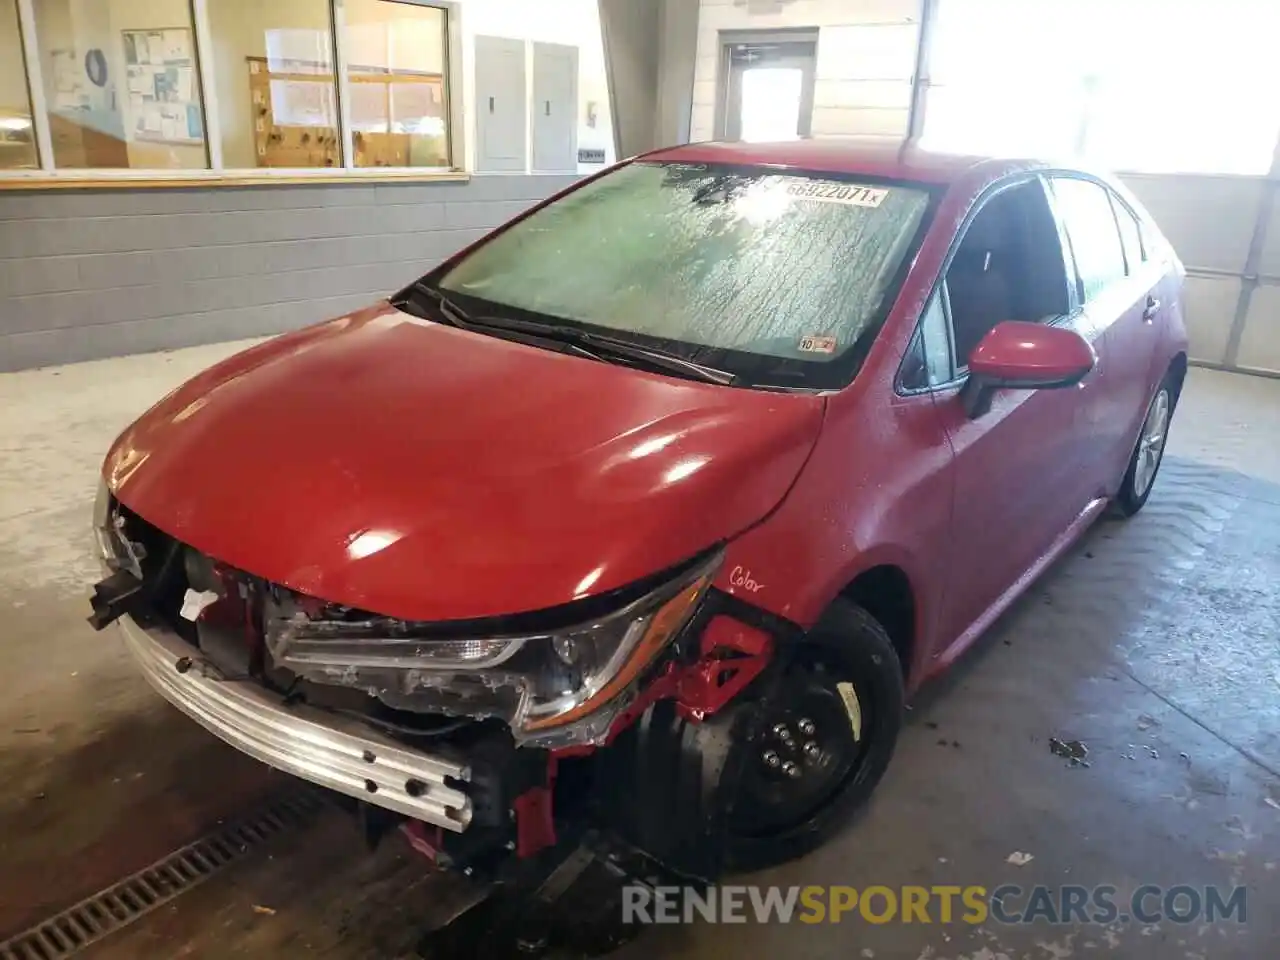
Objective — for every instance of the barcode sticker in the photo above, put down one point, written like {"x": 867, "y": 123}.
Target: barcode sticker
{"x": 827, "y": 191}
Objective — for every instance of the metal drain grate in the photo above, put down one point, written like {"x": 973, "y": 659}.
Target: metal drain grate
{"x": 67, "y": 933}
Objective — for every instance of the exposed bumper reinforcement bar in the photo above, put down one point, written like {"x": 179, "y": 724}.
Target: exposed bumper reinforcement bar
{"x": 328, "y": 750}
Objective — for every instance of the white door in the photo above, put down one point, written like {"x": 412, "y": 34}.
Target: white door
{"x": 767, "y": 88}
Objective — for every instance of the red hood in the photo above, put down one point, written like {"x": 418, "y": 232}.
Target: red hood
{"x": 423, "y": 472}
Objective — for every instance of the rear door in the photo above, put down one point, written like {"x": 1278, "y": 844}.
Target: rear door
{"x": 1118, "y": 286}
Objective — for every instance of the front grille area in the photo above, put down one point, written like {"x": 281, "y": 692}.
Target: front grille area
{"x": 231, "y": 635}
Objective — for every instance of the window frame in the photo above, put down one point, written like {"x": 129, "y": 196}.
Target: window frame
{"x": 938, "y": 289}
{"x": 48, "y": 176}
{"x": 1118, "y": 206}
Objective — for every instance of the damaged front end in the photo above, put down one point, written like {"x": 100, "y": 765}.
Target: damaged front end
{"x": 552, "y": 685}
{"x": 479, "y": 738}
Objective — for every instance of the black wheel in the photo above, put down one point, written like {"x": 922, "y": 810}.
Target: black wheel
{"x": 811, "y": 748}
{"x": 1148, "y": 452}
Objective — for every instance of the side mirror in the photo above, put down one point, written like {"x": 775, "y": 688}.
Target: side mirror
{"x": 1017, "y": 355}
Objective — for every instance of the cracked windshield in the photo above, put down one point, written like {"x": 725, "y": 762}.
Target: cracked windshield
{"x": 790, "y": 267}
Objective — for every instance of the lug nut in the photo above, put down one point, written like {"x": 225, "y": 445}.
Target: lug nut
{"x": 771, "y": 759}
{"x": 812, "y": 750}
{"x": 807, "y": 727}
{"x": 791, "y": 770}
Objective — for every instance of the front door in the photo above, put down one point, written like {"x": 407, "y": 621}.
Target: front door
{"x": 1016, "y": 484}
{"x": 767, "y": 86}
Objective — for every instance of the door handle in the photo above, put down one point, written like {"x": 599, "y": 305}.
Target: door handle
{"x": 1151, "y": 309}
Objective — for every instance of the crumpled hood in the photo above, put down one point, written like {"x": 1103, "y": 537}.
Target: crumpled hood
{"x": 428, "y": 473}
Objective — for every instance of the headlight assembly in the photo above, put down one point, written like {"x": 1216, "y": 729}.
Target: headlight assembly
{"x": 115, "y": 551}
{"x": 609, "y": 655}
{"x": 554, "y": 687}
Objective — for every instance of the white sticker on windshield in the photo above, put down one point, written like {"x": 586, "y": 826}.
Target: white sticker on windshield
{"x": 815, "y": 344}
{"x": 827, "y": 191}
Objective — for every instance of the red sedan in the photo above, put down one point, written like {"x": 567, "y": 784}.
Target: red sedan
{"x": 650, "y": 509}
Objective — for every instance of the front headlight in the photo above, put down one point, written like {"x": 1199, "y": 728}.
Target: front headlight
{"x": 607, "y": 657}
{"x": 106, "y": 550}
{"x": 115, "y": 551}
{"x": 553, "y": 687}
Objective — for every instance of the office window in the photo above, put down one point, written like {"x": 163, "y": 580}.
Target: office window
{"x": 277, "y": 99}
{"x": 396, "y": 65}
{"x": 193, "y": 89}
{"x": 121, "y": 84}
{"x": 17, "y": 136}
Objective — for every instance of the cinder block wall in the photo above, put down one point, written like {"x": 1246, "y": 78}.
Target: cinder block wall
{"x": 95, "y": 273}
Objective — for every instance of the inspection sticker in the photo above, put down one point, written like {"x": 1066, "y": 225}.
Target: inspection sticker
{"x": 828, "y": 191}
{"x": 816, "y": 344}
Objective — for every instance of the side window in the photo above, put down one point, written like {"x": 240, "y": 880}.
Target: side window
{"x": 1130, "y": 235}
{"x": 928, "y": 359}
{"x": 1095, "y": 239}
{"x": 1009, "y": 266}
{"x": 937, "y": 342}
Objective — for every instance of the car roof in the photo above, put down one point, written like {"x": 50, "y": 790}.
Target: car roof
{"x": 878, "y": 157}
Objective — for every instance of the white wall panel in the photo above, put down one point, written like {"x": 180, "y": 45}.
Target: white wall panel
{"x": 553, "y": 108}
{"x": 1269, "y": 264}
{"x": 880, "y": 94}
{"x": 677, "y": 56}
{"x": 859, "y": 121}
{"x": 631, "y": 39}
{"x": 704, "y": 93}
{"x": 789, "y": 13}
{"x": 702, "y": 120}
{"x": 1209, "y": 310}
{"x": 501, "y": 105}
{"x": 1209, "y": 220}
{"x": 1260, "y": 341}
{"x": 868, "y": 52}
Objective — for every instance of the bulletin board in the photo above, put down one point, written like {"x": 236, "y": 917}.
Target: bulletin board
{"x": 163, "y": 90}
{"x": 295, "y": 115}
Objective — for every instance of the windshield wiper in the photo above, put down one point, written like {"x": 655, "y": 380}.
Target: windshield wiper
{"x": 669, "y": 362}
{"x": 453, "y": 314}
{"x": 593, "y": 345}
{"x": 598, "y": 344}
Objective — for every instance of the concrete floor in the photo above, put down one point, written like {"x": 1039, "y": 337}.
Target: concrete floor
{"x": 1162, "y": 633}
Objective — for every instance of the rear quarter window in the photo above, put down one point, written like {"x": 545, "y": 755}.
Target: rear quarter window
{"x": 1085, "y": 207}
{"x": 1135, "y": 253}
